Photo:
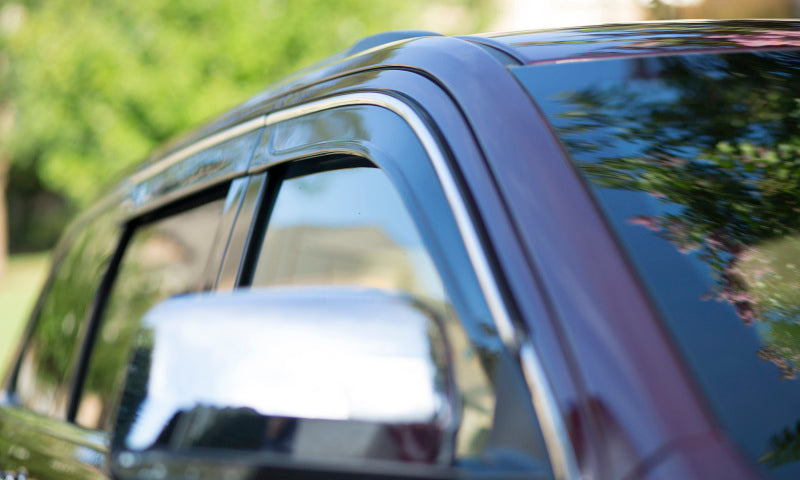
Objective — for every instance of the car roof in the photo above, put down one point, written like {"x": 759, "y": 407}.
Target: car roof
{"x": 515, "y": 48}
{"x": 647, "y": 38}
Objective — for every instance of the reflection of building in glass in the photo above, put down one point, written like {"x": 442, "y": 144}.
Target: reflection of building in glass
{"x": 365, "y": 256}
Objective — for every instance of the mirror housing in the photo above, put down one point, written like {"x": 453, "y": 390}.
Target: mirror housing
{"x": 299, "y": 375}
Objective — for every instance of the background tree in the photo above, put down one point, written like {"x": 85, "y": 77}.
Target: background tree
{"x": 88, "y": 88}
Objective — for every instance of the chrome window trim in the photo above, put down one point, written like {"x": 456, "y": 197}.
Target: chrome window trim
{"x": 207, "y": 142}
{"x": 553, "y": 429}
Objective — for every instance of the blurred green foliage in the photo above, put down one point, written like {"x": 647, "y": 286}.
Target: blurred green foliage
{"x": 61, "y": 316}
{"x": 88, "y": 88}
{"x": 18, "y": 291}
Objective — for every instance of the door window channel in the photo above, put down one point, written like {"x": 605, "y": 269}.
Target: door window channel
{"x": 350, "y": 227}
{"x": 165, "y": 257}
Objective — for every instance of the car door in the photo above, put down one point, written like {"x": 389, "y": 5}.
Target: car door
{"x": 356, "y": 190}
{"x": 35, "y": 438}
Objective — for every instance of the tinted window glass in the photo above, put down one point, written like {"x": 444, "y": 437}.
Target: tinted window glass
{"x": 695, "y": 160}
{"x": 345, "y": 227}
{"x": 163, "y": 258}
{"x": 351, "y": 227}
{"x": 46, "y": 368}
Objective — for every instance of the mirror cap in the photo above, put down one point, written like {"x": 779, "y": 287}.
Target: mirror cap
{"x": 318, "y": 374}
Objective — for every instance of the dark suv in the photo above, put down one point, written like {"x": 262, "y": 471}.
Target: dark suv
{"x": 565, "y": 254}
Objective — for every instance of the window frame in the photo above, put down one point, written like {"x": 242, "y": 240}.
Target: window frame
{"x": 277, "y": 175}
{"x": 62, "y": 251}
{"x": 132, "y": 204}
{"x": 103, "y": 294}
{"x": 448, "y": 183}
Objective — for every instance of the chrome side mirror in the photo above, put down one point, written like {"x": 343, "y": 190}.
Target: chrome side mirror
{"x": 308, "y": 375}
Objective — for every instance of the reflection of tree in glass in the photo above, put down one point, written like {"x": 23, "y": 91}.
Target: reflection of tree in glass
{"x": 138, "y": 287}
{"x": 784, "y": 447}
{"x": 43, "y": 383}
{"x": 162, "y": 259}
{"x": 719, "y": 140}
{"x": 135, "y": 389}
{"x": 716, "y": 141}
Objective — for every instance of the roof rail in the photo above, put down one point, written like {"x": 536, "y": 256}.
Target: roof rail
{"x": 387, "y": 37}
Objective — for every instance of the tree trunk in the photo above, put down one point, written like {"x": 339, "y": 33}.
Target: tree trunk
{"x": 4, "y": 171}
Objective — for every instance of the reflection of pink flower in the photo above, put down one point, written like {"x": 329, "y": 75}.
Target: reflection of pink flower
{"x": 736, "y": 297}
{"x": 764, "y": 38}
{"x": 770, "y": 353}
{"x": 736, "y": 281}
{"x": 714, "y": 242}
{"x": 678, "y": 234}
{"x": 671, "y": 161}
{"x": 746, "y": 312}
{"x": 720, "y": 241}
{"x": 646, "y": 221}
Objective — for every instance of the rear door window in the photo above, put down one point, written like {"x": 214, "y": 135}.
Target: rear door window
{"x": 164, "y": 257}
{"x": 50, "y": 355}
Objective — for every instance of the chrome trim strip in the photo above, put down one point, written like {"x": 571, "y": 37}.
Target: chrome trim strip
{"x": 161, "y": 200}
{"x": 505, "y": 327}
{"x": 553, "y": 428}
{"x": 554, "y": 431}
{"x": 175, "y": 157}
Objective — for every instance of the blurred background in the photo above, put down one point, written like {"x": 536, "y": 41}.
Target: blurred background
{"x": 88, "y": 88}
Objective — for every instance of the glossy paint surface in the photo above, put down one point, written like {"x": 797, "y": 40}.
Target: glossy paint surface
{"x": 690, "y": 159}
{"x": 382, "y": 136}
{"x": 509, "y": 141}
{"x": 656, "y": 38}
{"x": 472, "y": 169}
{"x": 50, "y": 447}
